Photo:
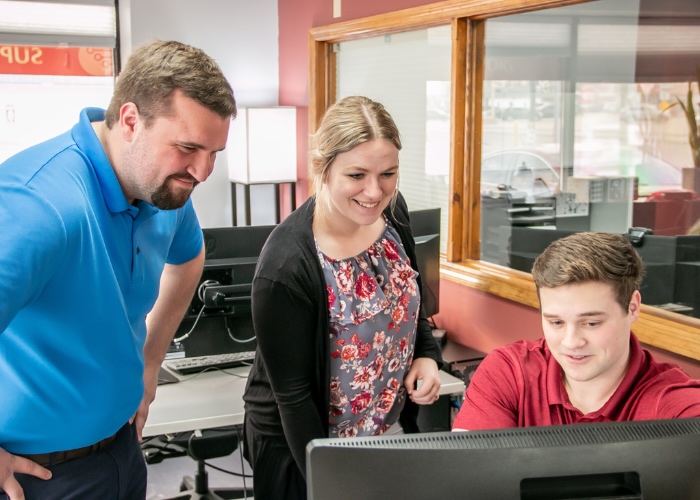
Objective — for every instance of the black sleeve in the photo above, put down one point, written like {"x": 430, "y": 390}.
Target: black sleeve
{"x": 285, "y": 324}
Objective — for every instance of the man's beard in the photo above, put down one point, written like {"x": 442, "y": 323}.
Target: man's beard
{"x": 166, "y": 198}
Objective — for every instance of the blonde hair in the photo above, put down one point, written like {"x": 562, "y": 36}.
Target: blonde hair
{"x": 158, "y": 68}
{"x": 583, "y": 257}
{"x": 346, "y": 124}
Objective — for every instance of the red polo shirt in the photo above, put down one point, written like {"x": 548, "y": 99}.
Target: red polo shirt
{"x": 520, "y": 385}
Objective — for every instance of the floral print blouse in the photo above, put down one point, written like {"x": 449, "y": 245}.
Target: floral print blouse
{"x": 374, "y": 303}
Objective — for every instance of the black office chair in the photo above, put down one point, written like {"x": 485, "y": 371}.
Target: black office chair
{"x": 201, "y": 446}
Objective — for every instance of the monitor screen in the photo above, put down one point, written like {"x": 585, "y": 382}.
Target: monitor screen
{"x": 425, "y": 226}
{"x": 622, "y": 460}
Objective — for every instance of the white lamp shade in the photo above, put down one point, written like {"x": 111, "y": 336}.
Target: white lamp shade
{"x": 262, "y": 146}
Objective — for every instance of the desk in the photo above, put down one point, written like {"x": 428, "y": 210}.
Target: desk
{"x": 200, "y": 401}
{"x": 215, "y": 399}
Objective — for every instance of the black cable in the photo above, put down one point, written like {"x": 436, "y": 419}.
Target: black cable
{"x": 200, "y": 294}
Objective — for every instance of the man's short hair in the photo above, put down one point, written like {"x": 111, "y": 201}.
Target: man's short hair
{"x": 158, "y": 68}
{"x": 584, "y": 257}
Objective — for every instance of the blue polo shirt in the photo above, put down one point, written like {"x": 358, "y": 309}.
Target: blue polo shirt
{"x": 79, "y": 271}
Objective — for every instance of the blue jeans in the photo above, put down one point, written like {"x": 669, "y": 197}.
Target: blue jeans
{"x": 116, "y": 473}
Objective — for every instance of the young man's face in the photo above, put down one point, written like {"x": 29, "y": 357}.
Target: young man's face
{"x": 165, "y": 160}
{"x": 588, "y": 332}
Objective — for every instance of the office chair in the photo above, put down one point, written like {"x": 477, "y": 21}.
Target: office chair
{"x": 202, "y": 446}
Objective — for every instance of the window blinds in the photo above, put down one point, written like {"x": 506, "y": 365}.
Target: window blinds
{"x": 90, "y": 23}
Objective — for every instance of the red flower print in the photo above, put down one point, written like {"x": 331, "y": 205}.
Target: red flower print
{"x": 402, "y": 274}
{"x": 349, "y": 352}
{"x": 382, "y": 430}
{"x": 331, "y": 296}
{"x": 379, "y": 340}
{"x": 404, "y": 300}
{"x": 393, "y": 384}
{"x": 364, "y": 350}
{"x": 347, "y": 432}
{"x": 386, "y": 401}
{"x": 366, "y": 287}
{"x": 335, "y": 385}
{"x": 338, "y": 399}
{"x": 390, "y": 250}
{"x": 397, "y": 314}
{"x": 394, "y": 364}
{"x": 377, "y": 366}
{"x": 344, "y": 278}
{"x": 363, "y": 379}
{"x": 360, "y": 402}
{"x": 388, "y": 396}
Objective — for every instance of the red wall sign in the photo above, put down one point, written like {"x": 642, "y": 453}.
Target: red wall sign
{"x": 65, "y": 61}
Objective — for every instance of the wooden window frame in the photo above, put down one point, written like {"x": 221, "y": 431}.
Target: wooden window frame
{"x": 669, "y": 331}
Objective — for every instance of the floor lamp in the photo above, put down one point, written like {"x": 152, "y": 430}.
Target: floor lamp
{"x": 261, "y": 149}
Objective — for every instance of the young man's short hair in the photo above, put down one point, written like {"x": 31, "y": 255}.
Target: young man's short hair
{"x": 584, "y": 257}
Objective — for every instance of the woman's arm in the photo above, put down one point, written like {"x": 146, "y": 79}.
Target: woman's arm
{"x": 285, "y": 324}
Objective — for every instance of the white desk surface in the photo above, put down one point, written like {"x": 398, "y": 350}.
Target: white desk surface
{"x": 215, "y": 399}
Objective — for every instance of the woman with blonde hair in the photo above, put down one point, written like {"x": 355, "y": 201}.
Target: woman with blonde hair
{"x": 342, "y": 341}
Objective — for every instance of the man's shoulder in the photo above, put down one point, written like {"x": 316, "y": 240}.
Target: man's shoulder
{"x": 525, "y": 350}
{"x": 670, "y": 391}
{"x": 29, "y": 165}
{"x": 517, "y": 359}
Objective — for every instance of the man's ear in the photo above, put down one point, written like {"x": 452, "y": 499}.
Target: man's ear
{"x": 129, "y": 118}
{"x": 635, "y": 305}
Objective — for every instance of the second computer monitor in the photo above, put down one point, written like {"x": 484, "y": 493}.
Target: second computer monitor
{"x": 425, "y": 226}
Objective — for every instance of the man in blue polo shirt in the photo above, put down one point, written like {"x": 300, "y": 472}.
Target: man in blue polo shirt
{"x": 101, "y": 254}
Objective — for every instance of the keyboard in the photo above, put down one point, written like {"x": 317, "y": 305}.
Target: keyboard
{"x": 197, "y": 364}
{"x": 165, "y": 377}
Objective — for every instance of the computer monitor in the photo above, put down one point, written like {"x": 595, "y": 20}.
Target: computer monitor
{"x": 219, "y": 315}
{"x": 425, "y": 226}
{"x": 622, "y": 460}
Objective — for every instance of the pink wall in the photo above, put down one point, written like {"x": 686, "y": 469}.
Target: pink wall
{"x": 296, "y": 17}
{"x": 471, "y": 317}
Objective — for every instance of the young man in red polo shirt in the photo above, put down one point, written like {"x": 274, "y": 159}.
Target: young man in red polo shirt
{"x": 589, "y": 367}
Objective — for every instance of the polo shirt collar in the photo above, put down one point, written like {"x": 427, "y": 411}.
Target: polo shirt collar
{"x": 557, "y": 395}
{"x": 86, "y": 139}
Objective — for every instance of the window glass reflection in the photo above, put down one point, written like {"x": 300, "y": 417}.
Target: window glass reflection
{"x": 583, "y": 131}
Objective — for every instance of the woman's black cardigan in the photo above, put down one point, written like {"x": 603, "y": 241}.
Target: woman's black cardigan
{"x": 288, "y": 389}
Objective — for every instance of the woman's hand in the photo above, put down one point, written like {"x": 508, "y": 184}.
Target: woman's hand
{"x": 424, "y": 375}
